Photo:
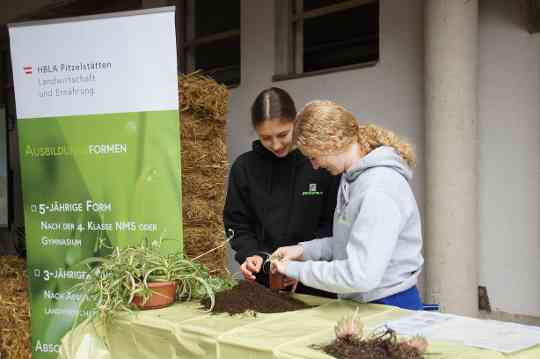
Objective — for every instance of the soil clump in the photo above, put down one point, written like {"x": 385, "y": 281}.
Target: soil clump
{"x": 253, "y": 297}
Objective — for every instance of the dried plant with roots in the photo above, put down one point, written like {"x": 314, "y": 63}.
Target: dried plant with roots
{"x": 418, "y": 342}
{"x": 350, "y": 343}
{"x": 349, "y": 327}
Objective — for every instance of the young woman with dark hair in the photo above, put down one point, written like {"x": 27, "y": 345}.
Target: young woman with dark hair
{"x": 275, "y": 198}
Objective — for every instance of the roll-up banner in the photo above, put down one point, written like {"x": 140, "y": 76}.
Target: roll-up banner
{"x": 97, "y": 119}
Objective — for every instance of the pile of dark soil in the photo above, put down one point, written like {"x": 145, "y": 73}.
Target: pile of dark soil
{"x": 247, "y": 296}
{"x": 382, "y": 346}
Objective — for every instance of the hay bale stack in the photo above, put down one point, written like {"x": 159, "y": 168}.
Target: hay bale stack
{"x": 204, "y": 168}
{"x": 14, "y": 309}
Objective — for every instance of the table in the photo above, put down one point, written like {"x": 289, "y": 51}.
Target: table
{"x": 185, "y": 331}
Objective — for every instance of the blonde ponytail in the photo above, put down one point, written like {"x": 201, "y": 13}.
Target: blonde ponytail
{"x": 372, "y": 136}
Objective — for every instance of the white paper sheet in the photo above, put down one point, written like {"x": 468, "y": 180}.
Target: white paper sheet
{"x": 488, "y": 334}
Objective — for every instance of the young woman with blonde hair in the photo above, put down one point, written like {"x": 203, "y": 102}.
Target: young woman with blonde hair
{"x": 374, "y": 254}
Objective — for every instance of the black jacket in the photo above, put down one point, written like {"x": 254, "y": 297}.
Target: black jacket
{"x": 273, "y": 202}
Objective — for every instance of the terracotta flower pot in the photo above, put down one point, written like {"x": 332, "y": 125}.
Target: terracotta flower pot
{"x": 163, "y": 295}
{"x": 276, "y": 280}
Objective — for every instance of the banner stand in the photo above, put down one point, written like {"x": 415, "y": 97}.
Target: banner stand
{"x": 97, "y": 117}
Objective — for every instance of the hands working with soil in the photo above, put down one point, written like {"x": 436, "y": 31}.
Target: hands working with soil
{"x": 291, "y": 253}
{"x": 281, "y": 257}
{"x": 251, "y": 266}
{"x": 254, "y": 264}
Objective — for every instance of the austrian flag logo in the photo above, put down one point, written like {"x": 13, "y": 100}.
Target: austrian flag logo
{"x": 27, "y": 70}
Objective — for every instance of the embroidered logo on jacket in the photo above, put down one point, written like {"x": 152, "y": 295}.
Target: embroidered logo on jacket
{"x": 312, "y": 191}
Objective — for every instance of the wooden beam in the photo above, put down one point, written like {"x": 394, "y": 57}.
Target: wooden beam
{"x": 331, "y": 9}
{"x": 211, "y": 38}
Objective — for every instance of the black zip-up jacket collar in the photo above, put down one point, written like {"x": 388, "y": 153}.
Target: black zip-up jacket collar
{"x": 273, "y": 202}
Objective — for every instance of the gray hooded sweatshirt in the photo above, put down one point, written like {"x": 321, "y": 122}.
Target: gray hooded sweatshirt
{"x": 375, "y": 250}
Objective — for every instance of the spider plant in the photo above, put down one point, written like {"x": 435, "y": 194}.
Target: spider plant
{"x": 114, "y": 280}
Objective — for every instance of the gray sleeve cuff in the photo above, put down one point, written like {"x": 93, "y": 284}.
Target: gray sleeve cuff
{"x": 293, "y": 270}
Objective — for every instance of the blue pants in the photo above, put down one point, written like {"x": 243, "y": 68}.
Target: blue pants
{"x": 408, "y": 299}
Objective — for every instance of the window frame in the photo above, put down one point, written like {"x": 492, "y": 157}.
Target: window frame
{"x": 186, "y": 40}
{"x": 289, "y": 38}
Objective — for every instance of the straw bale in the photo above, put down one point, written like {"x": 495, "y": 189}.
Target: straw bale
{"x": 14, "y": 309}
{"x": 204, "y": 152}
{"x": 197, "y": 210}
{"x": 209, "y": 186}
{"x": 203, "y": 96}
{"x": 204, "y": 169}
{"x": 194, "y": 128}
{"x": 200, "y": 240}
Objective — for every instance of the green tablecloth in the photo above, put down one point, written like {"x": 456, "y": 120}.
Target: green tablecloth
{"x": 184, "y": 331}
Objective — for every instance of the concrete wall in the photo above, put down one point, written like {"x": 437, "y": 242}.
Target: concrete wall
{"x": 389, "y": 94}
{"x": 509, "y": 154}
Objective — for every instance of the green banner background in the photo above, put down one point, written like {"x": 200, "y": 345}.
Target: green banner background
{"x": 134, "y": 193}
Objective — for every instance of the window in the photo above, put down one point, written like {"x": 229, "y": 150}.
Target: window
{"x": 319, "y": 36}
{"x": 209, "y": 38}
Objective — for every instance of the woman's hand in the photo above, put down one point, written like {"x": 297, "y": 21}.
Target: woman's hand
{"x": 283, "y": 255}
{"x": 280, "y": 266}
{"x": 291, "y": 253}
{"x": 250, "y": 266}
